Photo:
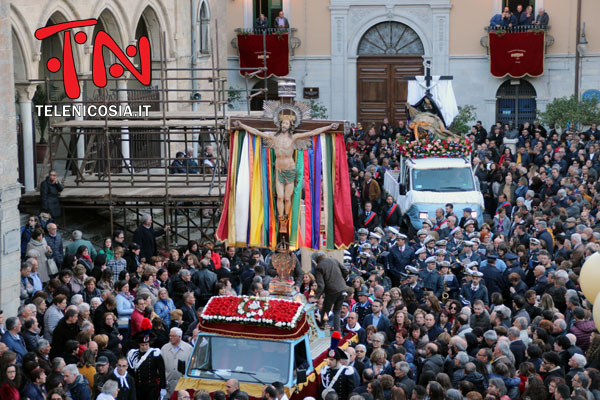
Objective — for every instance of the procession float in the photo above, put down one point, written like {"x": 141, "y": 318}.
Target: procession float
{"x": 279, "y": 195}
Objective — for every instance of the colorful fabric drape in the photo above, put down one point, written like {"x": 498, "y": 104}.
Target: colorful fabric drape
{"x": 517, "y": 54}
{"x": 251, "y": 54}
{"x": 250, "y": 217}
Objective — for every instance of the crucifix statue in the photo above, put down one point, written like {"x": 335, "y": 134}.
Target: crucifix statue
{"x": 285, "y": 142}
{"x": 428, "y": 78}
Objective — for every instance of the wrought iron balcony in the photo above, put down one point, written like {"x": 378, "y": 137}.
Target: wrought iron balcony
{"x": 294, "y": 42}
{"x": 549, "y": 39}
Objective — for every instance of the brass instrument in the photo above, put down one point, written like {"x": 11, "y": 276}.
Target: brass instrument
{"x": 445, "y": 294}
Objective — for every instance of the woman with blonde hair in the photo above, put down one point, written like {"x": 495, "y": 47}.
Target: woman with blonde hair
{"x": 357, "y": 284}
{"x": 379, "y": 361}
{"x": 164, "y": 306}
{"x": 547, "y": 303}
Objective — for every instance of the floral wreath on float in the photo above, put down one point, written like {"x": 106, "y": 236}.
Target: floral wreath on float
{"x": 443, "y": 148}
{"x": 253, "y": 310}
{"x": 252, "y": 306}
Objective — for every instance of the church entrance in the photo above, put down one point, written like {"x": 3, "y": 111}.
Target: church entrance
{"x": 388, "y": 52}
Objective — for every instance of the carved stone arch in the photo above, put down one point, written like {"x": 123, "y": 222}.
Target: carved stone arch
{"x": 119, "y": 16}
{"x": 53, "y": 47}
{"x": 156, "y": 18}
{"x": 203, "y": 16}
{"x": 390, "y": 38}
{"x": 23, "y": 36}
{"x": 358, "y": 34}
{"x": 20, "y": 61}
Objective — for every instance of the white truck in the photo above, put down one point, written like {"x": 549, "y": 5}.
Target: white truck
{"x": 424, "y": 184}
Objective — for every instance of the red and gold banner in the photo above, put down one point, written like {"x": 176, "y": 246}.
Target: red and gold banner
{"x": 277, "y": 53}
{"x": 517, "y": 54}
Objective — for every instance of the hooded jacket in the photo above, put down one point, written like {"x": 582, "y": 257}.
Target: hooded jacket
{"x": 583, "y": 331}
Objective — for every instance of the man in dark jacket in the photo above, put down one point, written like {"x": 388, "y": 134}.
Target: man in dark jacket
{"x": 49, "y": 192}
{"x": 145, "y": 236}
{"x": 31, "y": 334}
{"x": 433, "y": 361}
{"x": 77, "y": 385}
{"x": 329, "y": 274}
{"x": 391, "y": 212}
{"x": 492, "y": 276}
{"x": 400, "y": 256}
{"x": 124, "y": 379}
{"x": 54, "y": 240}
{"x": 103, "y": 373}
{"x": 67, "y": 329}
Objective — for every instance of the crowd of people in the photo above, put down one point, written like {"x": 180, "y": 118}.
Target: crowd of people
{"x": 522, "y": 17}
{"x": 457, "y": 310}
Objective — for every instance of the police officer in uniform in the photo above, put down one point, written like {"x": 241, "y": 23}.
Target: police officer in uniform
{"x": 335, "y": 376}
{"x": 431, "y": 279}
{"x": 148, "y": 366}
{"x": 412, "y": 278}
{"x": 455, "y": 243}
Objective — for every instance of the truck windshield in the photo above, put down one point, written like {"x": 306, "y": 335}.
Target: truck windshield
{"x": 246, "y": 360}
{"x": 443, "y": 180}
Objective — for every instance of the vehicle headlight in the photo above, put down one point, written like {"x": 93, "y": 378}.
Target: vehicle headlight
{"x": 423, "y": 215}
{"x": 474, "y": 214}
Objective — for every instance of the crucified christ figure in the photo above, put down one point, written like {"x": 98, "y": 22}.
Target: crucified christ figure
{"x": 285, "y": 143}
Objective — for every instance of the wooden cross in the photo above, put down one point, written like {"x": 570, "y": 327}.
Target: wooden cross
{"x": 428, "y": 78}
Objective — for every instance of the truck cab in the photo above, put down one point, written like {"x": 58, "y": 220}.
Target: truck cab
{"x": 424, "y": 184}
{"x": 233, "y": 344}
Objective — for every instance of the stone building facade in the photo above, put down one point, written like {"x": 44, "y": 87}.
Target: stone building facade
{"x": 450, "y": 32}
{"x": 188, "y": 29}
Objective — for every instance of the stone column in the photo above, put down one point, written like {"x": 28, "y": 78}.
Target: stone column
{"x": 25, "y": 92}
{"x": 122, "y": 95}
{"x": 10, "y": 189}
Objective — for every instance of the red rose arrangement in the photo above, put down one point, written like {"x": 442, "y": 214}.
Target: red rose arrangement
{"x": 424, "y": 148}
{"x": 253, "y": 310}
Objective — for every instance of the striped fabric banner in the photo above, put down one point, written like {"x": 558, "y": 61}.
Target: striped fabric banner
{"x": 249, "y": 217}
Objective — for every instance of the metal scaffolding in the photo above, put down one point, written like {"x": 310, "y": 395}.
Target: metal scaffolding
{"x": 122, "y": 168}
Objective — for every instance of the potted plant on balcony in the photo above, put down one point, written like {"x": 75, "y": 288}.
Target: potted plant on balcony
{"x": 41, "y": 147}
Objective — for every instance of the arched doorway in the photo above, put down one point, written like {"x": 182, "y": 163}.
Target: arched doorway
{"x": 515, "y": 102}
{"x": 388, "y": 52}
{"x": 256, "y": 103}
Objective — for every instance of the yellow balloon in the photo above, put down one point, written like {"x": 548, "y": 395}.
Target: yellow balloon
{"x": 589, "y": 277}
{"x": 596, "y": 312}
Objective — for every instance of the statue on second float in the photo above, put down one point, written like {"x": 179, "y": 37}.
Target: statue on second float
{"x": 285, "y": 142}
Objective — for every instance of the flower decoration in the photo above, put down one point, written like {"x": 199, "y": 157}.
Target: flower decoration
{"x": 423, "y": 148}
{"x": 253, "y": 310}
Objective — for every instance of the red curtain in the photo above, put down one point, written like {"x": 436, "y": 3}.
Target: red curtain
{"x": 517, "y": 54}
{"x": 277, "y": 50}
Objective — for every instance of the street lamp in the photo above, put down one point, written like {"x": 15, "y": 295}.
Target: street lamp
{"x": 582, "y": 45}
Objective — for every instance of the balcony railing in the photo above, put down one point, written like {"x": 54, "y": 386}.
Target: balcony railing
{"x": 294, "y": 42}
{"x": 518, "y": 28}
{"x": 549, "y": 39}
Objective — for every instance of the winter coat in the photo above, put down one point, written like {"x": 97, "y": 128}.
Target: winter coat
{"x": 51, "y": 318}
{"x": 329, "y": 274}
{"x": 163, "y": 309}
{"x": 434, "y": 364}
{"x": 26, "y": 232}
{"x": 49, "y": 193}
{"x": 146, "y": 239}
{"x": 583, "y": 331}
{"x": 80, "y": 389}
{"x": 56, "y": 244}
{"x": 42, "y": 260}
